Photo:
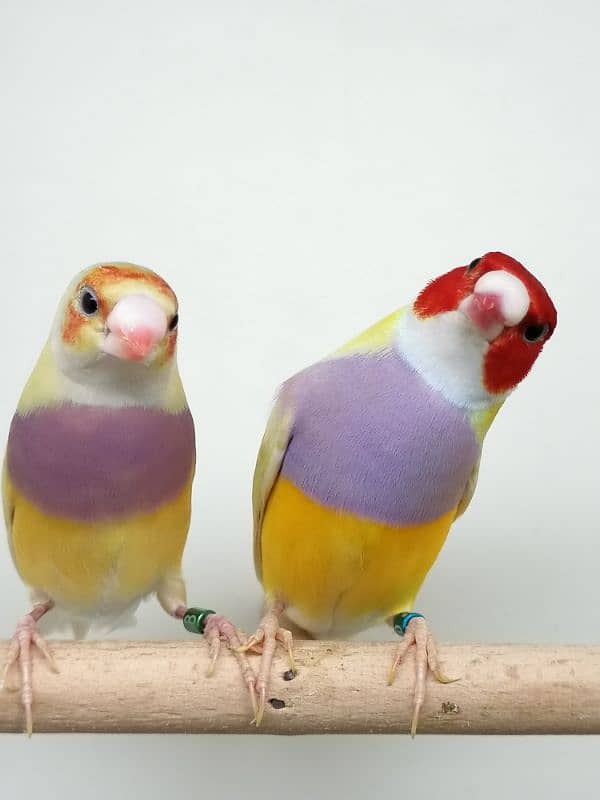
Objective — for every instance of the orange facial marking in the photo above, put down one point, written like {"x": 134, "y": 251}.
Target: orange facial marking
{"x": 171, "y": 344}
{"x": 98, "y": 277}
{"x": 169, "y": 350}
{"x": 72, "y": 325}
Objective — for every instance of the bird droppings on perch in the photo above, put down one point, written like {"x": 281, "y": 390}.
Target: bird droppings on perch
{"x": 160, "y": 687}
{"x": 450, "y": 708}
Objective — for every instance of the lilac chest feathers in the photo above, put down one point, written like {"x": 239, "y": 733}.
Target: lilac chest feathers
{"x": 372, "y": 438}
{"x": 91, "y": 463}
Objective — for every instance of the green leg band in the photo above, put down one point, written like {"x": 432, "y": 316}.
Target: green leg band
{"x": 194, "y": 619}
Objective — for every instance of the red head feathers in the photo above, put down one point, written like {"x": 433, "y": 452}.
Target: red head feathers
{"x": 505, "y": 304}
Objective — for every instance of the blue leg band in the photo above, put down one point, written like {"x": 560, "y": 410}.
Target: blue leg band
{"x": 400, "y": 621}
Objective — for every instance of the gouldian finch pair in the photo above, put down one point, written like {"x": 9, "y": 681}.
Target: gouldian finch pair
{"x": 368, "y": 458}
{"x": 99, "y": 465}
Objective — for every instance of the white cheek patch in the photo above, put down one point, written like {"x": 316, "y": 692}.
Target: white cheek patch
{"x": 448, "y": 353}
{"x": 511, "y": 291}
{"x": 110, "y": 381}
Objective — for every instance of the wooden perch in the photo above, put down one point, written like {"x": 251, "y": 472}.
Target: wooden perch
{"x": 160, "y": 687}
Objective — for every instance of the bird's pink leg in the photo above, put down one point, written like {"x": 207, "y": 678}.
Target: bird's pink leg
{"x": 19, "y": 651}
{"x": 415, "y": 631}
{"x": 216, "y": 629}
{"x": 267, "y": 635}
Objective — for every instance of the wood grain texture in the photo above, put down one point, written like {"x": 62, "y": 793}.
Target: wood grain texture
{"x": 160, "y": 687}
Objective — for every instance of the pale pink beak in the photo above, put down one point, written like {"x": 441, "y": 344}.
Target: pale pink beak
{"x": 499, "y": 300}
{"x": 485, "y": 310}
{"x": 134, "y": 328}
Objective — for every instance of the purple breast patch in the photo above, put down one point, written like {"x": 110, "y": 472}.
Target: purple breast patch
{"x": 92, "y": 463}
{"x": 372, "y": 438}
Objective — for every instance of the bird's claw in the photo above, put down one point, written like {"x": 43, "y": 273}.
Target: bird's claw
{"x": 218, "y": 629}
{"x": 19, "y": 651}
{"x": 266, "y": 637}
{"x": 252, "y": 645}
{"x": 426, "y": 657}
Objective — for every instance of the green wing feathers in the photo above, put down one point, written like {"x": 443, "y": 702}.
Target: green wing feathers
{"x": 268, "y": 465}
{"x": 469, "y": 491}
{"x": 374, "y": 339}
{"x": 8, "y": 504}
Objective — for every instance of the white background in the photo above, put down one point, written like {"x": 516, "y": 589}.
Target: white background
{"x": 297, "y": 170}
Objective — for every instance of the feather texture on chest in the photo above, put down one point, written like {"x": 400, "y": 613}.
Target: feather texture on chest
{"x": 93, "y": 463}
{"x": 372, "y": 438}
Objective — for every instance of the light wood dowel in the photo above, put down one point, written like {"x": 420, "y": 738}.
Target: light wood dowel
{"x": 160, "y": 687}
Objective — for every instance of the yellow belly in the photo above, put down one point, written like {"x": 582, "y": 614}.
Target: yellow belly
{"x": 341, "y": 573}
{"x": 90, "y": 566}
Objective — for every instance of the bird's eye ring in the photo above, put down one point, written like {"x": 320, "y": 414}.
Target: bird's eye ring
{"x": 533, "y": 333}
{"x": 88, "y": 301}
{"x": 174, "y": 321}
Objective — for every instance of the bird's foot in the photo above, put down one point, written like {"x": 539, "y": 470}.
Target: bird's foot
{"x": 265, "y": 640}
{"x": 415, "y": 631}
{"x": 25, "y": 637}
{"x": 217, "y": 629}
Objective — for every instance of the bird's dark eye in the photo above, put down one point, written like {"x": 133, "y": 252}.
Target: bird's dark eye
{"x": 473, "y": 264}
{"x": 174, "y": 322}
{"x": 533, "y": 333}
{"x": 88, "y": 301}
